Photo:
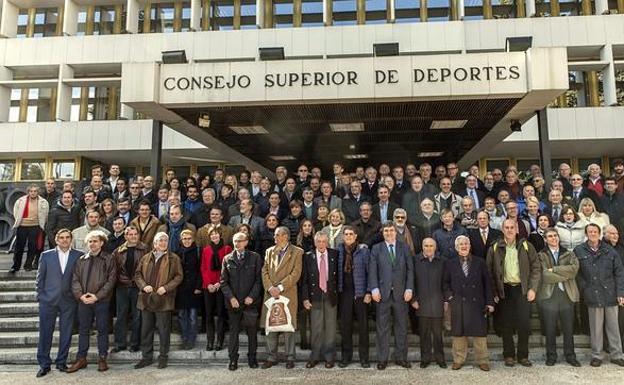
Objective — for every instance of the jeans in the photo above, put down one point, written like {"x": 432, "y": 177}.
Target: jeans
{"x": 25, "y": 234}
{"x": 188, "y": 325}
{"x": 126, "y": 304}
{"x": 86, "y": 313}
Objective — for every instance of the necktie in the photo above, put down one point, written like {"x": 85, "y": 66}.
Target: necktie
{"x": 474, "y": 198}
{"x": 465, "y": 267}
{"x": 392, "y": 255}
{"x": 556, "y": 258}
{"x": 323, "y": 274}
{"x": 483, "y": 236}
{"x": 556, "y": 215}
{"x": 576, "y": 195}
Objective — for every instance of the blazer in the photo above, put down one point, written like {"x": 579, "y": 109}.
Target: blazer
{"x": 334, "y": 202}
{"x": 310, "y": 289}
{"x": 480, "y": 196}
{"x": 387, "y": 277}
{"x": 371, "y": 191}
{"x": 241, "y": 279}
{"x": 53, "y": 285}
{"x": 256, "y": 223}
{"x": 565, "y": 272}
{"x": 477, "y": 247}
{"x": 377, "y": 211}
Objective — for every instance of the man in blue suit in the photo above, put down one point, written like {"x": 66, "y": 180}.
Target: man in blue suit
{"x": 391, "y": 282}
{"x": 56, "y": 300}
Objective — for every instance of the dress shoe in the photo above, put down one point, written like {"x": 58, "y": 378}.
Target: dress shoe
{"x": 117, "y": 350}
{"x": 134, "y": 349}
{"x": 219, "y": 344}
{"x": 442, "y": 364}
{"x": 404, "y": 364}
{"x": 209, "y": 346}
{"x": 162, "y": 362}
{"x": 456, "y": 366}
{"x": 382, "y": 365}
{"x": 13, "y": 270}
{"x": 525, "y": 362}
{"x": 28, "y": 268}
{"x": 253, "y": 363}
{"x": 42, "y": 372}
{"x": 424, "y": 364}
{"x": 310, "y": 364}
{"x": 510, "y": 362}
{"x": 484, "y": 367}
{"x": 143, "y": 363}
{"x": 551, "y": 362}
{"x": 61, "y": 367}
{"x": 619, "y": 362}
{"x": 290, "y": 364}
{"x": 80, "y": 363}
{"x": 573, "y": 362}
{"x": 595, "y": 362}
{"x": 365, "y": 364}
{"x": 267, "y": 364}
{"x": 329, "y": 364}
{"x": 102, "y": 364}
{"x": 343, "y": 364}
{"x": 233, "y": 365}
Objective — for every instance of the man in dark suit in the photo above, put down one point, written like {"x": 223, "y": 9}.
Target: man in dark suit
{"x": 391, "y": 280}
{"x": 369, "y": 186}
{"x": 352, "y": 201}
{"x": 483, "y": 236}
{"x": 473, "y": 192}
{"x": 319, "y": 290}
{"x": 383, "y": 210}
{"x": 56, "y": 300}
{"x": 579, "y": 192}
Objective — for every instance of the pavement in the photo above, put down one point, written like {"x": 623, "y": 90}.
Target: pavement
{"x": 188, "y": 375}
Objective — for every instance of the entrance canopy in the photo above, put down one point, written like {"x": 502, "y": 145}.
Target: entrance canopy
{"x": 388, "y": 109}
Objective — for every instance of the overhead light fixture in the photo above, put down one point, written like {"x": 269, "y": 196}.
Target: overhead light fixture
{"x": 249, "y": 130}
{"x": 204, "y": 120}
{"x": 447, "y": 124}
{"x": 271, "y": 53}
{"x": 518, "y": 44}
{"x": 174, "y": 57}
{"x": 430, "y": 154}
{"x": 346, "y": 127}
{"x": 515, "y": 126}
{"x": 283, "y": 157}
{"x": 355, "y": 156}
{"x": 208, "y": 160}
{"x": 386, "y": 49}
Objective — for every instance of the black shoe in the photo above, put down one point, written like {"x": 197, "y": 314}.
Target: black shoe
{"x": 290, "y": 364}
{"x": 233, "y": 365}
{"x": 162, "y": 362}
{"x": 13, "y": 270}
{"x": 525, "y": 362}
{"x": 310, "y": 364}
{"x": 404, "y": 364}
{"x": 442, "y": 364}
{"x": 619, "y": 362}
{"x": 424, "y": 364}
{"x": 253, "y": 363}
{"x": 134, "y": 349}
{"x": 28, "y": 268}
{"x": 219, "y": 345}
{"x": 573, "y": 362}
{"x": 382, "y": 365}
{"x": 343, "y": 363}
{"x": 551, "y": 361}
{"x": 595, "y": 362}
{"x": 117, "y": 350}
{"x": 365, "y": 364}
{"x": 209, "y": 346}
{"x": 42, "y": 372}
{"x": 143, "y": 363}
{"x": 62, "y": 368}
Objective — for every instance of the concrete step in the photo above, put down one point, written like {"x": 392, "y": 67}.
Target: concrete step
{"x": 18, "y": 309}
{"x": 20, "y": 275}
{"x": 220, "y": 358}
{"x": 18, "y": 296}
{"x": 16, "y": 324}
{"x": 17, "y": 285}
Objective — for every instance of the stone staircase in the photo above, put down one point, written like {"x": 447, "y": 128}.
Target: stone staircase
{"x": 19, "y": 323}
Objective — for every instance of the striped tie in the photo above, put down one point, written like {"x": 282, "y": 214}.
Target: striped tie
{"x": 465, "y": 267}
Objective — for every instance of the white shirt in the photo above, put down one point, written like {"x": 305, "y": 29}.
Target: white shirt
{"x": 63, "y": 258}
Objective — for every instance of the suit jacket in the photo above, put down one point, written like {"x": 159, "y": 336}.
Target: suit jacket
{"x": 351, "y": 207}
{"x": 334, "y": 202}
{"x": 477, "y": 247}
{"x": 480, "y": 197}
{"x": 241, "y": 279}
{"x": 377, "y": 211}
{"x": 54, "y": 286}
{"x": 310, "y": 289}
{"x": 371, "y": 191}
{"x": 562, "y": 272}
{"x": 387, "y": 277}
{"x": 256, "y": 223}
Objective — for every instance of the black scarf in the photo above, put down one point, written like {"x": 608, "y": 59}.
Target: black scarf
{"x": 215, "y": 262}
{"x": 348, "y": 266}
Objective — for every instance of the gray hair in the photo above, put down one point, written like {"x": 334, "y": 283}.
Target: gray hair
{"x": 282, "y": 230}
{"x": 320, "y": 234}
{"x": 238, "y": 236}
{"x": 160, "y": 236}
{"x": 96, "y": 234}
{"x": 459, "y": 239}
{"x": 400, "y": 211}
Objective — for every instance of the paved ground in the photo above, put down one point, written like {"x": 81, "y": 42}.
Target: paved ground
{"x": 186, "y": 375}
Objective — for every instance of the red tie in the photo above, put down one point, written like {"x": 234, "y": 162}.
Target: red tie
{"x": 323, "y": 274}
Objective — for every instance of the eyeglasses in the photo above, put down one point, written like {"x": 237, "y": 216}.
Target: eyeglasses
{"x": 576, "y": 179}
{"x": 399, "y": 217}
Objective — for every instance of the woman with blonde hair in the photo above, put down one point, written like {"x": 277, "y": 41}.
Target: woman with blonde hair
{"x": 188, "y": 295}
{"x": 589, "y": 213}
{"x": 334, "y": 229}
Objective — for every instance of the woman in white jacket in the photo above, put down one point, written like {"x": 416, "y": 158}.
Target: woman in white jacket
{"x": 571, "y": 228}
{"x": 588, "y": 212}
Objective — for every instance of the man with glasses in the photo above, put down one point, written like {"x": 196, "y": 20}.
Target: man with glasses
{"x": 148, "y": 189}
{"x": 579, "y": 192}
{"x": 366, "y": 227}
{"x": 612, "y": 201}
{"x": 522, "y": 226}
{"x": 241, "y": 284}
{"x": 457, "y": 181}
{"x": 352, "y": 201}
{"x": 446, "y": 199}
{"x": 135, "y": 196}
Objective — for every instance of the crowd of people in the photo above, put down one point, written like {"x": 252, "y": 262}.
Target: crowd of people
{"x": 417, "y": 249}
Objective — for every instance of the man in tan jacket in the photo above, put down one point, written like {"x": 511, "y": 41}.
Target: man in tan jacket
{"x": 280, "y": 274}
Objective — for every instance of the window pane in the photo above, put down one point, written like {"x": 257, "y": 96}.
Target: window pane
{"x": 7, "y": 170}
{"x": 497, "y": 163}
{"x": 583, "y": 163}
{"x": 63, "y": 169}
{"x": 33, "y": 169}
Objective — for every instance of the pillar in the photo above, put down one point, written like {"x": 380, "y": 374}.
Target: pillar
{"x": 487, "y": 9}
{"x": 177, "y": 16}
{"x": 132, "y": 16}
{"x": 268, "y": 8}
{"x": 424, "y": 15}
{"x": 156, "y": 151}
{"x": 64, "y": 94}
{"x": 196, "y": 13}
{"x": 602, "y": 6}
{"x": 117, "y": 23}
{"x": 297, "y": 13}
{"x": 84, "y": 103}
{"x": 460, "y": 10}
{"x": 147, "y": 17}
{"x": 328, "y": 12}
{"x": 608, "y": 76}
{"x": 60, "y": 15}
{"x": 544, "y": 145}
{"x": 23, "y": 105}
{"x": 555, "y": 9}
{"x": 8, "y": 19}
{"x": 205, "y": 15}
{"x": 90, "y": 24}
{"x": 5, "y": 94}
{"x": 530, "y": 8}
{"x": 70, "y": 18}
{"x": 591, "y": 86}
{"x": 30, "y": 26}
{"x": 360, "y": 11}
{"x": 267, "y": 14}
{"x": 620, "y": 6}
{"x": 520, "y": 9}
{"x": 113, "y": 98}
{"x": 586, "y": 7}
{"x": 390, "y": 11}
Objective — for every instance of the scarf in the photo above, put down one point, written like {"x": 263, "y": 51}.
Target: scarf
{"x": 26, "y": 207}
{"x": 215, "y": 263}
{"x": 348, "y": 266}
{"x": 174, "y": 234}
{"x": 334, "y": 231}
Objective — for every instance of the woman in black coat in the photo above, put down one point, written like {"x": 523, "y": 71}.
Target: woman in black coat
{"x": 293, "y": 220}
{"x": 188, "y": 294}
{"x": 265, "y": 240}
{"x": 470, "y": 298}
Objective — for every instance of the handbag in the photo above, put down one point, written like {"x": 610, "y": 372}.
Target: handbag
{"x": 278, "y": 318}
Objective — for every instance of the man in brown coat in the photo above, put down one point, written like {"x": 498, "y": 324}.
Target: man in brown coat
{"x": 216, "y": 216}
{"x": 146, "y": 223}
{"x": 516, "y": 271}
{"x": 280, "y": 274}
{"x": 158, "y": 275}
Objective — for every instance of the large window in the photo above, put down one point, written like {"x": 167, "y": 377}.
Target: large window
{"x": 7, "y": 170}
{"x": 37, "y": 106}
{"x": 63, "y": 169}
{"x": 92, "y": 103}
{"x": 344, "y": 12}
{"x": 33, "y": 169}
{"x": 407, "y": 11}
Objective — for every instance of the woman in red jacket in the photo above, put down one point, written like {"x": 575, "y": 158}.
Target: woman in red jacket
{"x": 211, "y": 261}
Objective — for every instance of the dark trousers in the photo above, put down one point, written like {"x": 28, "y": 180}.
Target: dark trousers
{"x": 395, "y": 309}
{"x": 323, "y": 319}
{"x": 514, "y": 317}
{"x": 215, "y": 307}
{"x": 431, "y": 339}
{"x": 65, "y": 311}
{"x": 235, "y": 318}
{"x": 25, "y": 234}
{"x": 155, "y": 320}
{"x": 86, "y": 313}
{"x": 558, "y": 308}
{"x": 621, "y": 323}
{"x": 348, "y": 307}
{"x": 126, "y": 304}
